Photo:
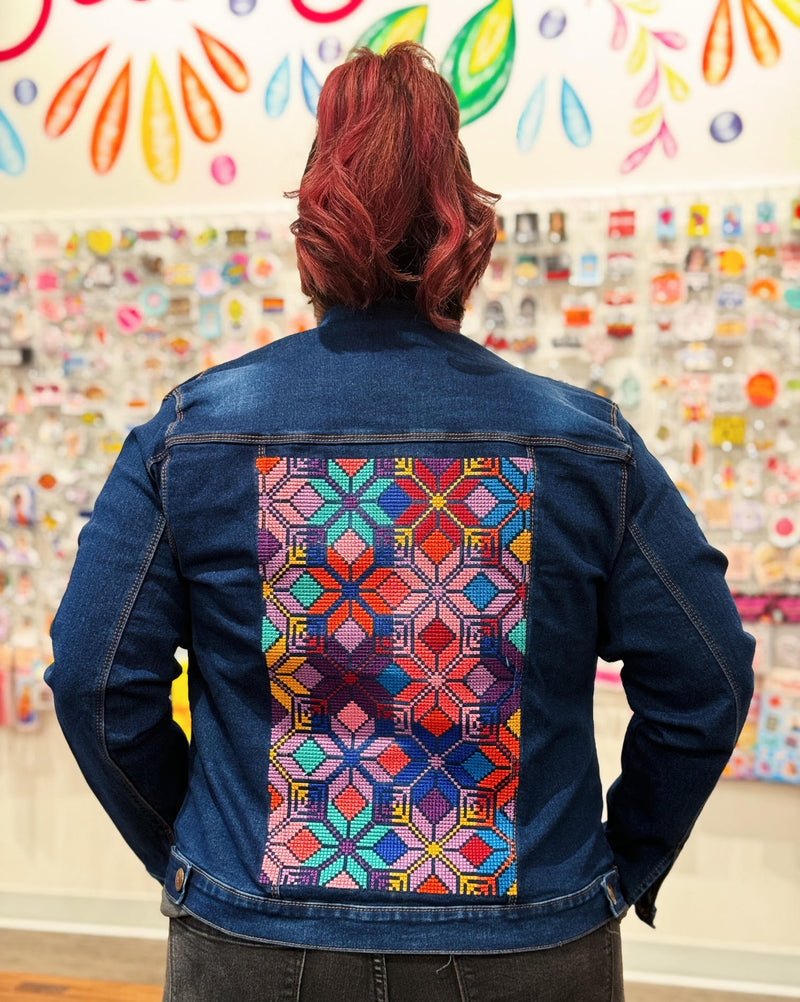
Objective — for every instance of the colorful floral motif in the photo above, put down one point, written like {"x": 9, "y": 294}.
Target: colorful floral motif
{"x": 394, "y": 632}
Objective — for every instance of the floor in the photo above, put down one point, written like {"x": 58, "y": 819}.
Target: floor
{"x": 110, "y": 969}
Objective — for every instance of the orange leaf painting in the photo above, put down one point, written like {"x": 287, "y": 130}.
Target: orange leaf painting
{"x": 227, "y": 65}
{"x": 64, "y": 106}
{"x": 109, "y": 129}
{"x": 202, "y": 112}
{"x": 718, "y": 52}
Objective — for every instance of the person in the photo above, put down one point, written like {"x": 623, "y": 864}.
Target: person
{"x": 394, "y": 559}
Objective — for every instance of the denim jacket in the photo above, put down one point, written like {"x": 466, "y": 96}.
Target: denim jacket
{"x": 394, "y": 559}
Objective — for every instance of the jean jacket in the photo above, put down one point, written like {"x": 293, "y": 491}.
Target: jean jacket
{"x": 394, "y": 559}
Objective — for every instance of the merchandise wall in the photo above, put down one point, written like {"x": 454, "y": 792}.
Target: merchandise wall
{"x": 648, "y": 249}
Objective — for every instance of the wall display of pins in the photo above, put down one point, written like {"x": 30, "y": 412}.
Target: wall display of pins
{"x": 683, "y": 308}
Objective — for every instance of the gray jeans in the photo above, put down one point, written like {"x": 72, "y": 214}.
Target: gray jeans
{"x": 205, "y": 965}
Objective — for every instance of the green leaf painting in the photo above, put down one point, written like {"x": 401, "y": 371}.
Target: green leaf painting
{"x": 403, "y": 25}
{"x": 480, "y": 58}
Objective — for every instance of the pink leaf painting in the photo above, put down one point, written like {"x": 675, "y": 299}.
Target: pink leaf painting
{"x": 633, "y": 160}
{"x": 620, "y": 34}
{"x": 649, "y": 91}
{"x": 672, "y": 39}
{"x": 667, "y": 140}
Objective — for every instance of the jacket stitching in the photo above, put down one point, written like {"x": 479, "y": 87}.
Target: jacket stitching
{"x": 119, "y": 629}
{"x": 688, "y": 609}
{"x": 583, "y": 894}
{"x": 236, "y": 438}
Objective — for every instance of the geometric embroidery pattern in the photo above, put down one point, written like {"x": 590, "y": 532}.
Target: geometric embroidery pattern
{"x": 394, "y": 629}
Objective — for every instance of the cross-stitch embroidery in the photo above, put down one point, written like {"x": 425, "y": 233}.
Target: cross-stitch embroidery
{"x": 395, "y": 603}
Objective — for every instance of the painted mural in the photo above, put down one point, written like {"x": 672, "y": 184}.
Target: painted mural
{"x": 146, "y": 88}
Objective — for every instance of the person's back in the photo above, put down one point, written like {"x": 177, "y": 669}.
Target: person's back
{"x": 394, "y": 560}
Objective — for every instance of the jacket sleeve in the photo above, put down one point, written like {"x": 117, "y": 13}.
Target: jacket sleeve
{"x": 668, "y": 615}
{"x": 114, "y": 637}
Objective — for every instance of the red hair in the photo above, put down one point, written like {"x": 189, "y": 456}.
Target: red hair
{"x": 387, "y": 205}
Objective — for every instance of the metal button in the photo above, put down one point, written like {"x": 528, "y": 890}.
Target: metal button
{"x": 179, "y": 878}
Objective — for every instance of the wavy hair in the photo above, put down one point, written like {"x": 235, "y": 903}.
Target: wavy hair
{"x": 387, "y": 206}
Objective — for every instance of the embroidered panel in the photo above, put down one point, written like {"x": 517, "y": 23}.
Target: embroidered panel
{"x": 395, "y": 603}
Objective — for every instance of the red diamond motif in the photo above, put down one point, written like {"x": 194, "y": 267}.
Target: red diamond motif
{"x": 304, "y": 844}
{"x": 393, "y": 760}
{"x": 393, "y": 591}
{"x": 437, "y": 722}
{"x": 437, "y": 546}
{"x": 350, "y": 802}
{"x": 437, "y": 636}
{"x": 476, "y": 851}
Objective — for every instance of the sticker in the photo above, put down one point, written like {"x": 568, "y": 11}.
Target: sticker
{"x": 154, "y": 300}
{"x": 526, "y": 313}
{"x": 500, "y": 236}
{"x": 621, "y": 223}
{"x": 732, "y": 221}
{"x": 272, "y": 304}
{"x": 527, "y": 270}
{"x": 765, "y": 289}
{"x": 730, "y": 297}
{"x": 209, "y": 323}
{"x": 557, "y": 267}
{"x": 262, "y": 269}
{"x": 526, "y": 228}
{"x": 783, "y": 529}
{"x": 557, "y": 230}
{"x": 666, "y": 288}
{"x": 665, "y": 223}
{"x": 731, "y": 262}
{"x": 129, "y": 318}
{"x": 587, "y": 272}
{"x": 234, "y": 271}
{"x": 728, "y": 429}
{"x": 619, "y": 265}
{"x": 494, "y": 315}
{"x": 762, "y": 389}
{"x": 766, "y": 220}
{"x": 577, "y": 311}
{"x": 209, "y": 281}
{"x": 99, "y": 242}
{"x": 697, "y": 225}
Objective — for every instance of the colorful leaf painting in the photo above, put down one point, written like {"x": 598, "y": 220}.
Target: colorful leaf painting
{"x": 678, "y": 87}
{"x": 109, "y": 127}
{"x": 635, "y": 159}
{"x": 668, "y": 143}
{"x": 403, "y": 25}
{"x": 159, "y": 129}
{"x": 763, "y": 40}
{"x": 672, "y": 39}
{"x": 619, "y": 35}
{"x": 277, "y": 94}
{"x": 227, "y": 65}
{"x": 650, "y": 89}
{"x": 480, "y": 58}
{"x": 718, "y": 51}
{"x": 64, "y": 106}
{"x": 573, "y": 117}
{"x": 638, "y": 53}
{"x": 530, "y": 121}
{"x": 643, "y": 123}
{"x": 311, "y": 87}
{"x": 202, "y": 112}
{"x": 790, "y": 9}
{"x": 12, "y": 153}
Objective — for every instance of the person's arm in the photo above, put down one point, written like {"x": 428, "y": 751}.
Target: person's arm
{"x": 114, "y": 640}
{"x": 668, "y": 615}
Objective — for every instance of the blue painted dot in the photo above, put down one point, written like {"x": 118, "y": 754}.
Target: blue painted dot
{"x": 330, "y": 48}
{"x": 242, "y": 7}
{"x": 25, "y": 90}
{"x": 725, "y": 127}
{"x": 552, "y": 23}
